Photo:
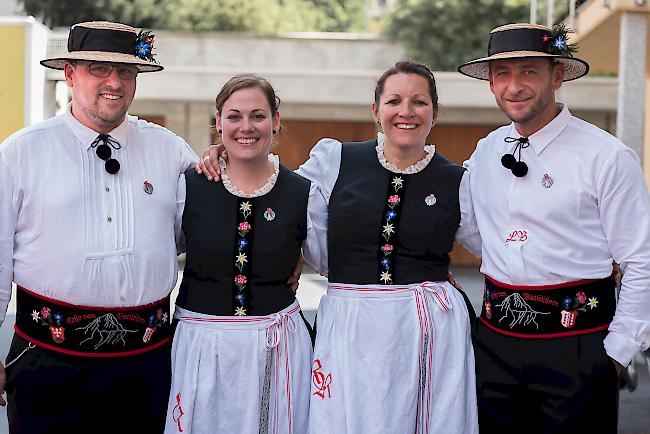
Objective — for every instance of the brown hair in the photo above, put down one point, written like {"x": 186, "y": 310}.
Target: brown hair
{"x": 245, "y": 81}
{"x": 408, "y": 67}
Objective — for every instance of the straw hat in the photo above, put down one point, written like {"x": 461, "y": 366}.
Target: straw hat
{"x": 521, "y": 40}
{"x": 103, "y": 41}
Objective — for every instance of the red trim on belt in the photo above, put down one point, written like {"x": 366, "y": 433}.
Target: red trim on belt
{"x": 540, "y": 287}
{"x": 92, "y": 308}
{"x": 542, "y": 336}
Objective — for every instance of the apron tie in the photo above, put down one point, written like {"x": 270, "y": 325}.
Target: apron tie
{"x": 443, "y": 304}
{"x": 277, "y": 334}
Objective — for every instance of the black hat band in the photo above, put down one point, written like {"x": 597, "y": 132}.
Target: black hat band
{"x": 108, "y": 40}
{"x": 519, "y": 40}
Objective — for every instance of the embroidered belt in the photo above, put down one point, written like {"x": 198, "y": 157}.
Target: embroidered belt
{"x": 548, "y": 311}
{"x": 90, "y": 331}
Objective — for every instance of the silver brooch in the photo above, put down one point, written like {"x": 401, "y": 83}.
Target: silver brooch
{"x": 148, "y": 188}
{"x": 269, "y": 214}
{"x": 547, "y": 181}
{"x": 430, "y": 200}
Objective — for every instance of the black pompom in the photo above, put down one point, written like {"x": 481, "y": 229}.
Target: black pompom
{"x": 103, "y": 151}
{"x": 112, "y": 166}
{"x": 508, "y": 160}
{"x": 519, "y": 169}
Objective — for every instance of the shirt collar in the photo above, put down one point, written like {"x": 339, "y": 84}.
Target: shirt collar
{"x": 87, "y": 135}
{"x": 542, "y": 138}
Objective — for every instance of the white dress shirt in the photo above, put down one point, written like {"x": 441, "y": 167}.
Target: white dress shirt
{"x": 582, "y": 204}
{"x": 75, "y": 233}
{"x": 322, "y": 169}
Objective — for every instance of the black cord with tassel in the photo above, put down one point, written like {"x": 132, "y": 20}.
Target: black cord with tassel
{"x": 103, "y": 151}
{"x": 516, "y": 166}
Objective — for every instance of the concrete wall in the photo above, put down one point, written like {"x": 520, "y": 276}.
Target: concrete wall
{"x": 10, "y": 7}
{"x": 319, "y": 77}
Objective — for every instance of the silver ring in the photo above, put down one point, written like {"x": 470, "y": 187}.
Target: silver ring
{"x": 206, "y": 158}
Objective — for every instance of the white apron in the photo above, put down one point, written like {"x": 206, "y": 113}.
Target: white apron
{"x": 244, "y": 375}
{"x": 393, "y": 359}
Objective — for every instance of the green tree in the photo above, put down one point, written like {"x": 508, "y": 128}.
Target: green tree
{"x": 60, "y": 13}
{"x": 342, "y": 15}
{"x": 259, "y": 16}
{"x": 446, "y": 33}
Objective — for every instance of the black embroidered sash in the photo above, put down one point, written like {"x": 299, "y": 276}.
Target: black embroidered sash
{"x": 89, "y": 331}
{"x": 548, "y": 311}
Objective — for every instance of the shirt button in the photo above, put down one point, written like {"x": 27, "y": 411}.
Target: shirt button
{"x": 109, "y": 219}
{"x": 108, "y": 189}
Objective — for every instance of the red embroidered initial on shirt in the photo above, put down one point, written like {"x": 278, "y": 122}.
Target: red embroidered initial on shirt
{"x": 517, "y": 236}
{"x": 320, "y": 380}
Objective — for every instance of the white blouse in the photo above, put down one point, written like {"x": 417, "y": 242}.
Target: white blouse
{"x": 323, "y": 165}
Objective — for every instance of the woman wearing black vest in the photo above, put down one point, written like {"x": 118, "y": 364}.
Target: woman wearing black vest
{"x": 242, "y": 353}
{"x": 393, "y": 352}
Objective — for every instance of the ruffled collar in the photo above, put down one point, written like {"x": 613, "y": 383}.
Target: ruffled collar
{"x": 270, "y": 183}
{"x": 413, "y": 168}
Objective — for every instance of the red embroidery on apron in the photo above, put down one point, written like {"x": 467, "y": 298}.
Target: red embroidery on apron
{"x": 321, "y": 381}
{"x": 178, "y": 410}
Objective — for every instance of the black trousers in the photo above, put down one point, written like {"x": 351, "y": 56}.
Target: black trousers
{"x": 563, "y": 385}
{"x": 53, "y": 393}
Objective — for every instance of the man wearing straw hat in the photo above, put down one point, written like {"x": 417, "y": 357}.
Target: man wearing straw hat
{"x": 556, "y": 201}
{"x": 88, "y": 225}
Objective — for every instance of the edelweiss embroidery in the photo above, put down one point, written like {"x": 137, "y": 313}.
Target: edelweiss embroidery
{"x": 52, "y": 319}
{"x": 242, "y": 254}
{"x": 389, "y": 228}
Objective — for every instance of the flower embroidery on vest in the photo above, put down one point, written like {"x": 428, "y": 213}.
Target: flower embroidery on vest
{"x": 389, "y": 227}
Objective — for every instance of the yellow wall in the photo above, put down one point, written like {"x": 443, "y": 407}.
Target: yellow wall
{"x": 12, "y": 79}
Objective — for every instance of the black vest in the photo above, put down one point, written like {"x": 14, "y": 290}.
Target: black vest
{"x": 425, "y": 233}
{"x": 210, "y": 228}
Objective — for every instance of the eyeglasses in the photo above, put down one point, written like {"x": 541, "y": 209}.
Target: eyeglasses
{"x": 103, "y": 70}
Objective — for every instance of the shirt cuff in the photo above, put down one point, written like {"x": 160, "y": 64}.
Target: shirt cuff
{"x": 619, "y": 348}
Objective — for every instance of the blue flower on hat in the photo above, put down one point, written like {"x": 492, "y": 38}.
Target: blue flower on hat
{"x": 144, "y": 46}
{"x": 143, "y": 50}
{"x": 559, "y": 43}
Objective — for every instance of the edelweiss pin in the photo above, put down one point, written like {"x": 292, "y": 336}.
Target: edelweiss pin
{"x": 430, "y": 200}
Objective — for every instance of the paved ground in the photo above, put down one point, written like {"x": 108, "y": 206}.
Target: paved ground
{"x": 634, "y": 413}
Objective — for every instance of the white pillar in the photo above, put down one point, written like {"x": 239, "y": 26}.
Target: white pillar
{"x": 572, "y": 14}
{"x": 631, "y": 80}
{"x": 549, "y": 12}
{"x": 533, "y": 11}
